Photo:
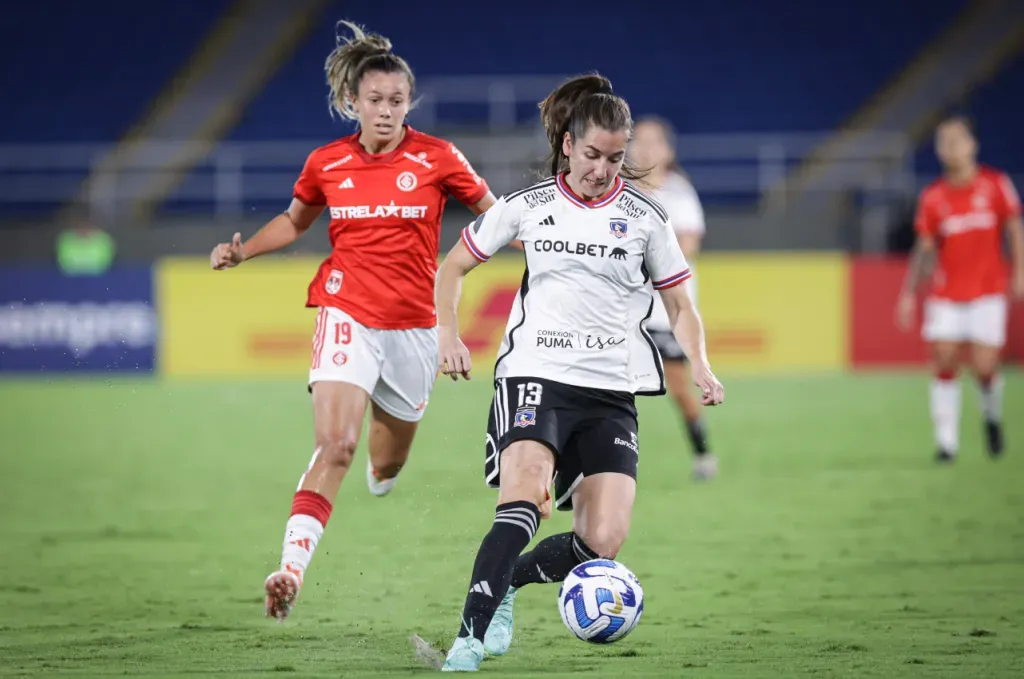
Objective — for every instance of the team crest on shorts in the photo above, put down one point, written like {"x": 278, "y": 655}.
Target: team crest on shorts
{"x": 333, "y": 283}
{"x": 526, "y": 417}
{"x": 618, "y": 228}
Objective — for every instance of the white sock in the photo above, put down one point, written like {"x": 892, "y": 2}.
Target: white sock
{"x": 992, "y": 399}
{"x": 301, "y": 535}
{"x": 945, "y": 406}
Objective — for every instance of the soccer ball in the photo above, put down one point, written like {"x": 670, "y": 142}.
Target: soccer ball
{"x": 601, "y": 601}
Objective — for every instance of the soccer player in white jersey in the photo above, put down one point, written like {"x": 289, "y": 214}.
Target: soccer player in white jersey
{"x": 653, "y": 149}
{"x": 574, "y": 355}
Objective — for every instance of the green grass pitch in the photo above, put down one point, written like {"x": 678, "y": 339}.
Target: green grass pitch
{"x": 139, "y": 519}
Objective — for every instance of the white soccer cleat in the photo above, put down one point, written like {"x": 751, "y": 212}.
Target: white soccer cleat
{"x": 705, "y": 467}
{"x": 282, "y": 589}
{"x": 379, "y": 487}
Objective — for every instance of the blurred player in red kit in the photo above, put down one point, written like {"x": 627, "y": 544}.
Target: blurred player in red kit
{"x": 961, "y": 221}
{"x": 375, "y": 341}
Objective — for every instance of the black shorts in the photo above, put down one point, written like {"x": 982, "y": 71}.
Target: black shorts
{"x": 590, "y": 431}
{"x": 667, "y": 345}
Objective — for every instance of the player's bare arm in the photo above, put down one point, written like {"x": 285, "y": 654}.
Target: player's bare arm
{"x": 1015, "y": 234}
{"x": 922, "y": 261}
{"x": 484, "y": 204}
{"x": 278, "y": 233}
{"x": 689, "y": 332}
{"x": 689, "y": 243}
{"x": 453, "y": 356}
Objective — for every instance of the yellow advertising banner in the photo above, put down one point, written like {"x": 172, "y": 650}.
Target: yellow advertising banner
{"x": 775, "y": 311}
{"x": 249, "y": 321}
{"x": 762, "y": 312}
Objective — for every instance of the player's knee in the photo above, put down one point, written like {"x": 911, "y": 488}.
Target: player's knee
{"x": 525, "y": 482}
{"x": 606, "y": 540}
{"x": 985, "y": 364}
{"x": 338, "y": 446}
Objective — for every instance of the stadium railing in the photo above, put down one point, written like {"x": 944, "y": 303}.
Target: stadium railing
{"x": 237, "y": 177}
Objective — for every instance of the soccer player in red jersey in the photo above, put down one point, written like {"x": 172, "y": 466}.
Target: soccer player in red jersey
{"x": 375, "y": 342}
{"x": 961, "y": 221}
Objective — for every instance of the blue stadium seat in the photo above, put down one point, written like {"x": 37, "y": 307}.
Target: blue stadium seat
{"x": 86, "y": 71}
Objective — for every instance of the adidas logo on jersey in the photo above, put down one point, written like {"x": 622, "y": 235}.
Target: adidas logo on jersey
{"x": 548, "y": 221}
{"x": 347, "y": 184}
{"x": 481, "y": 588}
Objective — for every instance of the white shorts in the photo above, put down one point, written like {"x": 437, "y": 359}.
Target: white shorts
{"x": 396, "y": 368}
{"x": 980, "y": 321}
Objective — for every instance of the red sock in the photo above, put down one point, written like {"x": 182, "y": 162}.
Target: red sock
{"x": 308, "y": 503}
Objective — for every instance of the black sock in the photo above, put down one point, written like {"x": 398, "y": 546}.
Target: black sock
{"x": 551, "y": 560}
{"x": 515, "y": 524}
{"x": 698, "y": 437}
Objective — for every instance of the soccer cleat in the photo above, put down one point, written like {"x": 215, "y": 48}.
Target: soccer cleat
{"x": 282, "y": 589}
{"x": 994, "y": 437}
{"x": 499, "y": 634}
{"x": 465, "y": 655}
{"x": 705, "y": 467}
{"x": 945, "y": 456}
{"x": 379, "y": 487}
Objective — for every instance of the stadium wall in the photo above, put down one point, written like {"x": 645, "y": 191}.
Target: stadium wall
{"x": 765, "y": 313}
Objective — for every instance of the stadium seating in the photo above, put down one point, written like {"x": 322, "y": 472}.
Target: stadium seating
{"x": 710, "y": 67}
{"x": 70, "y": 65}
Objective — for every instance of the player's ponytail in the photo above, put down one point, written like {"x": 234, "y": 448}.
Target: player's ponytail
{"x": 352, "y": 59}
{"x": 573, "y": 107}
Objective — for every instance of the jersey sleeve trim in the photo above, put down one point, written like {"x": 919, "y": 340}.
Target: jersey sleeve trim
{"x": 471, "y": 246}
{"x": 314, "y": 202}
{"x": 671, "y": 281}
{"x": 477, "y": 195}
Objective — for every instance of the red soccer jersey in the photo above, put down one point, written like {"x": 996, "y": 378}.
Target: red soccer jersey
{"x": 385, "y": 225}
{"x": 967, "y": 223}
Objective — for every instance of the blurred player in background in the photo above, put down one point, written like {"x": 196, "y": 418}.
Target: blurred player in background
{"x": 961, "y": 220}
{"x": 574, "y": 356}
{"x": 375, "y": 342}
{"x": 653, "y": 148}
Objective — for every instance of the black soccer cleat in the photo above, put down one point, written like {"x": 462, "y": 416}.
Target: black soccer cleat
{"x": 994, "y": 437}
{"x": 945, "y": 457}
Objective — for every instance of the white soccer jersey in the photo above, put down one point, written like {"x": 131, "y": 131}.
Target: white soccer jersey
{"x": 591, "y": 269}
{"x": 680, "y": 201}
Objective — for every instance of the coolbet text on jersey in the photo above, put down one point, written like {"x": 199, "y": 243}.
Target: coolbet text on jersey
{"x": 967, "y": 223}
{"x": 385, "y": 212}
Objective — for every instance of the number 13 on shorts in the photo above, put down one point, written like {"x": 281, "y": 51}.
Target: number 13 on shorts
{"x": 530, "y": 394}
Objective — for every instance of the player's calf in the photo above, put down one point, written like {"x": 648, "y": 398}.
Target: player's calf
{"x": 990, "y": 393}
{"x": 985, "y": 359}
{"x": 944, "y": 402}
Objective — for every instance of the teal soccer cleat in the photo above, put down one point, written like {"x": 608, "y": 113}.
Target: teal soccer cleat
{"x": 465, "y": 655}
{"x": 499, "y": 633}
